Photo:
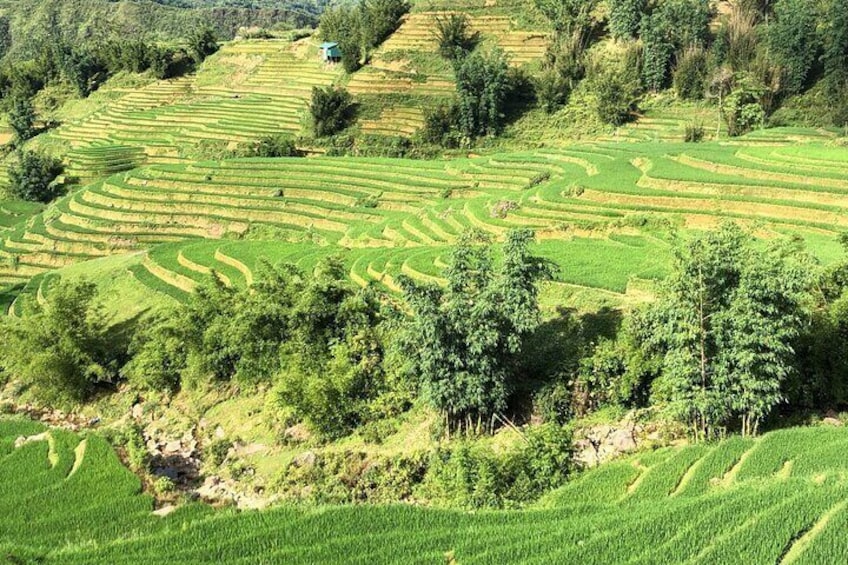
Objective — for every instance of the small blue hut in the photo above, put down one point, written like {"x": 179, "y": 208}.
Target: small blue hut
{"x": 330, "y": 52}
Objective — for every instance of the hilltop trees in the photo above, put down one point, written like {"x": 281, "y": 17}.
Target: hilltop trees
{"x": 463, "y": 342}
{"x": 360, "y": 28}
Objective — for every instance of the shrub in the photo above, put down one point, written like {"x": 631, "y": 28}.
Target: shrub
{"x": 269, "y": 146}
{"x": 33, "y": 177}
{"x": 690, "y": 76}
{"x": 202, "y": 43}
{"x": 135, "y": 448}
{"x": 553, "y": 403}
{"x": 794, "y": 42}
{"x": 216, "y": 452}
{"x": 454, "y": 36}
{"x": 742, "y": 109}
{"x": 552, "y": 91}
{"x": 625, "y": 16}
{"x": 158, "y": 355}
{"x": 441, "y": 126}
{"x": 22, "y": 119}
{"x": 693, "y": 132}
{"x": 163, "y": 485}
{"x": 616, "y": 96}
{"x": 482, "y": 84}
{"x": 60, "y": 348}
{"x": 332, "y": 110}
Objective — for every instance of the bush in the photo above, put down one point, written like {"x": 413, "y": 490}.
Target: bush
{"x": 163, "y": 485}
{"x": 136, "y": 450}
{"x": 441, "y": 126}
{"x": 269, "y": 146}
{"x": 690, "y": 76}
{"x": 158, "y": 355}
{"x": 552, "y": 91}
{"x": 482, "y": 85}
{"x": 22, "y": 119}
{"x": 794, "y": 42}
{"x": 33, "y": 177}
{"x": 693, "y": 133}
{"x": 625, "y": 16}
{"x": 216, "y": 452}
{"x": 616, "y": 97}
{"x": 454, "y": 36}
{"x": 202, "y": 43}
{"x": 553, "y": 403}
{"x": 742, "y": 109}
{"x": 332, "y": 110}
{"x": 60, "y": 347}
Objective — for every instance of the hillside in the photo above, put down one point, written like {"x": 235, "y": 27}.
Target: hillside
{"x": 589, "y": 204}
{"x": 776, "y": 499}
{"x": 30, "y": 20}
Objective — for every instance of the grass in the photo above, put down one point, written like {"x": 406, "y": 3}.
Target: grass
{"x": 75, "y": 503}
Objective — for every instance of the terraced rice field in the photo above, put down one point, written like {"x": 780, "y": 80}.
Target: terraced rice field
{"x": 416, "y": 34}
{"x": 247, "y": 90}
{"x": 777, "y": 499}
{"x": 407, "y": 65}
{"x": 605, "y": 212}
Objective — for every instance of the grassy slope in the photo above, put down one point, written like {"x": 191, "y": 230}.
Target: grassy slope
{"x": 779, "y": 498}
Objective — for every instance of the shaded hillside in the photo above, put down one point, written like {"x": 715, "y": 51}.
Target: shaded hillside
{"x": 81, "y": 20}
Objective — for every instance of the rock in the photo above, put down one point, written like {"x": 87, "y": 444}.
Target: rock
{"x": 93, "y": 421}
{"x": 220, "y": 433}
{"x": 622, "y": 441}
{"x": 298, "y": 433}
{"x": 165, "y": 510}
{"x": 23, "y": 440}
{"x": 832, "y": 422}
{"x": 252, "y": 448}
{"x": 173, "y": 446}
{"x": 137, "y": 411}
{"x": 306, "y": 459}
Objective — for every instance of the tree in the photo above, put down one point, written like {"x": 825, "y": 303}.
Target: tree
{"x": 569, "y": 17}
{"x": 158, "y": 354}
{"x": 690, "y": 76}
{"x": 332, "y": 110}
{"x": 625, "y": 17}
{"x": 381, "y": 18}
{"x": 616, "y": 94}
{"x": 22, "y": 119}
{"x": 32, "y": 177}
{"x": 202, "y": 43}
{"x": 836, "y": 61}
{"x": 794, "y": 42}
{"x": 60, "y": 347}
{"x": 724, "y": 325}
{"x": 482, "y": 86}
{"x": 463, "y": 342}
{"x": 454, "y": 36}
{"x": 671, "y": 27}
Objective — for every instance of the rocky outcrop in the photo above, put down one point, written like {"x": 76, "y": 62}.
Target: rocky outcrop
{"x": 595, "y": 444}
